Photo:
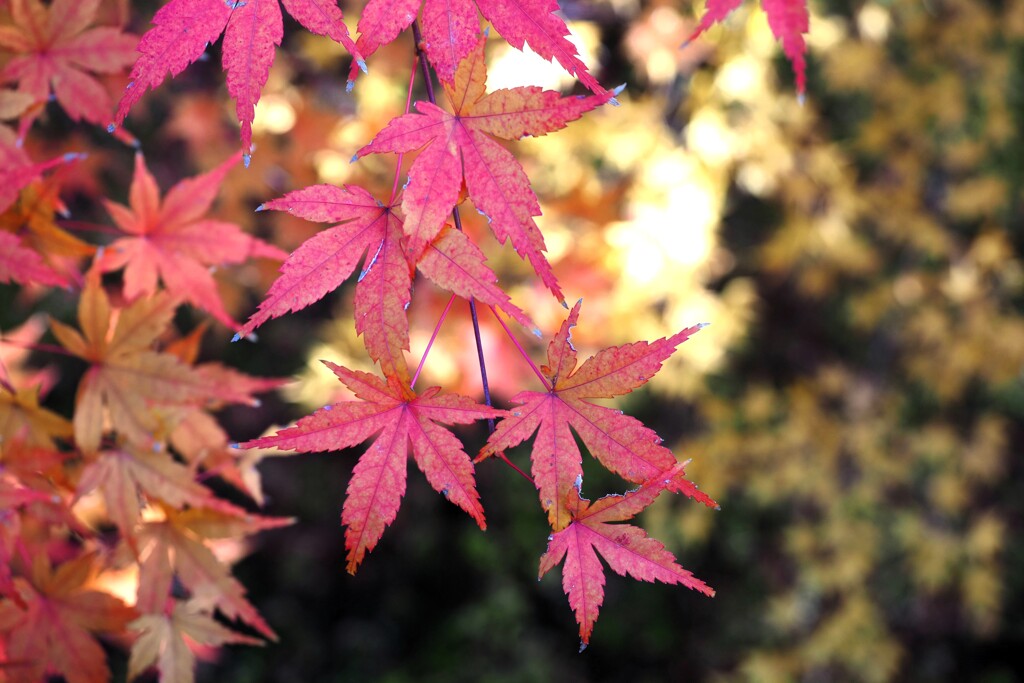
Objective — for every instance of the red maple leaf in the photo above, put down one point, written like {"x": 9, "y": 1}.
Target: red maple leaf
{"x": 182, "y": 29}
{"x": 403, "y": 420}
{"x": 458, "y": 147}
{"x": 55, "y": 50}
{"x": 173, "y": 240}
{"x": 788, "y": 21}
{"x": 627, "y": 549}
{"x": 367, "y": 226}
{"x": 620, "y": 442}
{"x": 327, "y": 259}
{"x": 451, "y": 27}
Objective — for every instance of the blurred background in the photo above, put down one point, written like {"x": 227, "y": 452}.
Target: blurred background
{"x": 855, "y": 406}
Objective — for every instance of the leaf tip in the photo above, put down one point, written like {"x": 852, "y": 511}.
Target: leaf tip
{"x": 615, "y": 93}
{"x": 261, "y": 207}
{"x": 246, "y": 159}
{"x": 583, "y": 646}
{"x": 349, "y": 85}
{"x": 111, "y": 128}
{"x": 74, "y": 156}
{"x": 701, "y": 326}
{"x": 362, "y": 65}
{"x": 235, "y": 338}
{"x": 354, "y": 159}
{"x": 236, "y": 445}
{"x": 537, "y": 333}
{"x": 801, "y": 98}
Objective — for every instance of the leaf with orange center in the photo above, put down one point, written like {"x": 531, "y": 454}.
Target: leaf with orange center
{"x": 54, "y": 635}
{"x": 458, "y": 147}
{"x": 621, "y": 443}
{"x": 56, "y": 50}
{"x": 173, "y": 241}
{"x": 128, "y": 382}
{"x": 627, "y": 549}
{"x": 402, "y": 420}
{"x": 17, "y": 170}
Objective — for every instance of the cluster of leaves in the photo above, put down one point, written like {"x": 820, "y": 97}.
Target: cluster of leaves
{"x": 109, "y": 525}
{"x": 118, "y": 486}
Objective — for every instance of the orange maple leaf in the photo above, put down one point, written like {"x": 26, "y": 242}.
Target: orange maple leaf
{"x": 54, "y": 635}
{"x": 178, "y": 546}
{"x": 122, "y": 474}
{"x": 164, "y": 640}
{"x": 127, "y": 381}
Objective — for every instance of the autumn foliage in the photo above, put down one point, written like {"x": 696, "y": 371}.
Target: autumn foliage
{"x": 118, "y": 491}
{"x": 506, "y": 284}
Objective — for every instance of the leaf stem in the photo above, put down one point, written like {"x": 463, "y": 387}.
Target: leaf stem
{"x": 522, "y": 351}
{"x": 501, "y": 456}
{"x": 417, "y": 36}
{"x": 429, "y": 83}
{"x": 457, "y": 217}
{"x": 426, "y": 351}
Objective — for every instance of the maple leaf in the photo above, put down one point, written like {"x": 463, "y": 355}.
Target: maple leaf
{"x": 127, "y": 381}
{"x": 458, "y": 147}
{"x": 173, "y": 241}
{"x": 788, "y": 20}
{"x": 367, "y": 226}
{"x": 621, "y": 443}
{"x": 178, "y": 546}
{"x": 451, "y": 28}
{"x": 627, "y": 549}
{"x": 164, "y": 639}
{"x": 54, "y": 635}
{"x": 403, "y": 420}
{"x": 182, "y": 29}
{"x": 325, "y": 260}
{"x": 55, "y": 51}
